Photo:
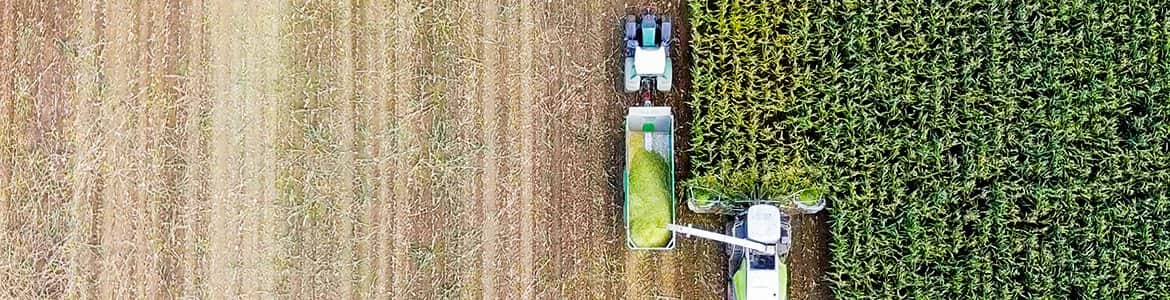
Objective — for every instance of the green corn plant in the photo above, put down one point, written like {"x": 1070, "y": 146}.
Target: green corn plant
{"x": 970, "y": 149}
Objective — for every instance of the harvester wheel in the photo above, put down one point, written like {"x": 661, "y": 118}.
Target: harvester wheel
{"x": 729, "y": 249}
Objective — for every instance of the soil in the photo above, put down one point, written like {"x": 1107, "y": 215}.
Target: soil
{"x": 809, "y": 258}
{"x": 347, "y": 149}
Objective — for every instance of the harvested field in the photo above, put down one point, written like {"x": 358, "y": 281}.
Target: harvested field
{"x": 311, "y": 149}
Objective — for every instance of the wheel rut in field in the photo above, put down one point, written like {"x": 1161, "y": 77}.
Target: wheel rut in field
{"x": 119, "y": 211}
{"x": 513, "y": 74}
{"x": 441, "y": 166}
{"x": 527, "y": 102}
{"x": 196, "y": 105}
{"x": 376, "y": 85}
{"x": 489, "y": 103}
{"x": 245, "y": 119}
{"x": 404, "y": 63}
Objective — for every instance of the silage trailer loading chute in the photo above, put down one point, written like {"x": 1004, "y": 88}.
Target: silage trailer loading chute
{"x": 758, "y": 234}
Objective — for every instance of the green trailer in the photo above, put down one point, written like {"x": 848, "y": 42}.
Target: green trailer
{"x": 648, "y": 178}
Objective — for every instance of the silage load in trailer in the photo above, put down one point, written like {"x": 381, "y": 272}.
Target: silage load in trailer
{"x": 649, "y": 178}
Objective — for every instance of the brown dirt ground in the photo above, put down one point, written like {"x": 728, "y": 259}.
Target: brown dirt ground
{"x": 332, "y": 149}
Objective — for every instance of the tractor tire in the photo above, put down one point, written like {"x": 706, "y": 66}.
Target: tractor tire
{"x": 630, "y": 79}
{"x": 630, "y": 24}
{"x": 664, "y": 82}
{"x": 665, "y": 32}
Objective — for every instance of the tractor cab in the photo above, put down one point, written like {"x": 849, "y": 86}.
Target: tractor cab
{"x": 649, "y": 31}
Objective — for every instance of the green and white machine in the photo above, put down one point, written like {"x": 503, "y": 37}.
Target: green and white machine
{"x": 757, "y": 238}
{"x": 647, "y": 52}
{"x": 757, "y": 243}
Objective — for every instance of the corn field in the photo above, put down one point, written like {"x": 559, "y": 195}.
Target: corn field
{"x": 969, "y": 149}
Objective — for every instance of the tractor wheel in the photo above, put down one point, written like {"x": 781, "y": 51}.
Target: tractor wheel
{"x": 630, "y": 79}
{"x": 666, "y": 33}
{"x": 631, "y": 26}
{"x": 664, "y": 82}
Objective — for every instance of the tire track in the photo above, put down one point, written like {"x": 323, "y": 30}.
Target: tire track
{"x": 633, "y": 276}
{"x": 346, "y": 161}
{"x": 515, "y": 154}
{"x": 321, "y": 241}
{"x": 490, "y": 269}
{"x": 439, "y": 166}
{"x": 560, "y": 257}
{"x": 527, "y": 159}
{"x": 242, "y": 242}
{"x": 347, "y": 164}
{"x": 220, "y": 238}
{"x": 667, "y": 281}
{"x": 7, "y": 134}
{"x": 367, "y": 137}
{"x": 467, "y": 23}
{"x": 120, "y": 260}
{"x": 194, "y": 183}
{"x": 380, "y": 24}
{"x": 404, "y": 65}
{"x": 160, "y": 136}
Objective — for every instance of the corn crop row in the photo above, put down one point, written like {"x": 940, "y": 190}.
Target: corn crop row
{"x": 969, "y": 149}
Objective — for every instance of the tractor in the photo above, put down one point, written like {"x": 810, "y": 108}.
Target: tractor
{"x": 647, "y": 53}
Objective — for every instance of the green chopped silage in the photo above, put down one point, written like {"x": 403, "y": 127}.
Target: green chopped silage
{"x": 649, "y": 198}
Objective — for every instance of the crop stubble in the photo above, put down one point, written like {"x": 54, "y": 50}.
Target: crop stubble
{"x": 304, "y": 148}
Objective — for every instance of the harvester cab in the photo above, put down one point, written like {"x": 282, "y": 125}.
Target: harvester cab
{"x": 647, "y": 53}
